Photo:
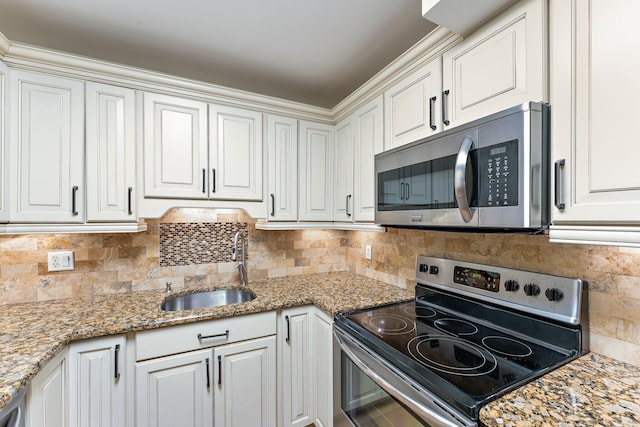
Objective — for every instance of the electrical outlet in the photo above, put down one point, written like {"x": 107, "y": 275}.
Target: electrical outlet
{"x": 60, "y": 261}
{"x": 367, "y": 252}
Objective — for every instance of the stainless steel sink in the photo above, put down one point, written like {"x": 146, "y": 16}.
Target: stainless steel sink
{"x": 207, "y": 299}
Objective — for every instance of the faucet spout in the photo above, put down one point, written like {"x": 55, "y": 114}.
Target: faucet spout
{"x": 242, "y": 265}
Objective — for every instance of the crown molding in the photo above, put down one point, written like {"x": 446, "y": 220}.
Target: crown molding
{"x": 69, "y": 65}
{"x": 5, "y": 44}
{"x": 430, "y": 47}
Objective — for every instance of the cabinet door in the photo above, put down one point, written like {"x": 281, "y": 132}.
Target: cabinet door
{"x": 323, "y": 368}
{"x": 175, "y": 391}
{"x": 46, "y": 402}
{"x": 235, "y": 155}
{"x": 111, "y": 148}
{"x": 412, "y": 106}
{"x": 315, "y": 168}
{"x": 47, "y": 148}
{"x": 4, "y": 112}
{"x": 282, "y": 137}
{"x": 296, "y": 375}
{"x": 593, "y": 127}
{"x": 245, "y": 383}
{"x": 97, "y": 383}
{"x": 175, "y": 147}
{"x": 368, "y": 141}
{"x": 343, "y": 178}
{"x": 501, "y": 65}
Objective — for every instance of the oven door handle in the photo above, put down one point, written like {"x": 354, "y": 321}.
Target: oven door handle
{"x": 460, "y": 179}
{"x": 431, "y": 417}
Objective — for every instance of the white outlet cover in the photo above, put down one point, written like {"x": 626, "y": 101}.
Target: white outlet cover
{"x": 60, "y": 261}
{"x": 367, "y": 252}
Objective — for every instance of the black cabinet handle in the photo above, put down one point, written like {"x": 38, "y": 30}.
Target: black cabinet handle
{"x": 445, "y": 107}
{"x": 74, "y": 191}
{"x": 116, "y": 356}
{"x": 129, "y": 196}
{"x": 288, "y": 338}
{"x": 206, "y": 361}
{"x": 213, "y": 180}
{"x": 558, "y": 184}
{"x": 432, "y": 103}
{"x": 204, "y": 337}
{"x": 347, "y": 210}
{"x": 273, "y": 204}
{"x": 219, "y": 370}
{"x": 204, "y": 180}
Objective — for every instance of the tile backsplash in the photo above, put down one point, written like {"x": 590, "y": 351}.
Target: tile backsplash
{"x": 192, "y": 247}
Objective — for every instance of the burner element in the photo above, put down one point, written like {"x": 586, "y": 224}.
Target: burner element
{"x": 507, "y": 346}
{"x": 388, "y": 324}
{"x": 456, "y": 326}
{"x": 419, "y": 311}
{"x": 452, "y": 355}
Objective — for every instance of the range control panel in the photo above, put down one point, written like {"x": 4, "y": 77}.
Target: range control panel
{"x": 475, "y": 278}
{"x": 550, "y": 296}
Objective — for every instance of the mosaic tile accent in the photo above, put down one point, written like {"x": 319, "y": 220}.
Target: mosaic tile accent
{"x": 198, "y": 242}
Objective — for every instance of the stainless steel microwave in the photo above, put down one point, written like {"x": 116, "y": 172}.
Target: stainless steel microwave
{"x": 491, "y": 173}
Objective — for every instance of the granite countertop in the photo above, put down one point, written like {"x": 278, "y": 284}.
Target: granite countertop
{"x": 591, "y": 391}
{"x": 32, "y": 333}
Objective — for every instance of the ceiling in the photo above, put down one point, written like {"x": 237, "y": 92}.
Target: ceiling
{"x": 312, "y": 51}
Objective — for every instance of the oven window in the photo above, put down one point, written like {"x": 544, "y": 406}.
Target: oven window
{"x": 366, "y": 404}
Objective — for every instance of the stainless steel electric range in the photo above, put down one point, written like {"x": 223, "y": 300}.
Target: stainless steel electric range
{"x": 473, "y": 333}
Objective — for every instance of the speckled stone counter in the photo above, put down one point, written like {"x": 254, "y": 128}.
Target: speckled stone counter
{"x": 31, "y": 334}
{"x": 591, "y": 391}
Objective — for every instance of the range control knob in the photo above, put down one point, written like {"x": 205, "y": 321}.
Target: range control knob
{"x": 532, "y": 289}
{"x": 554, "y": 294}
{"x": 511, "y": 285}
{"x": 424, "y": 268}
{"x": 433, "y": 269}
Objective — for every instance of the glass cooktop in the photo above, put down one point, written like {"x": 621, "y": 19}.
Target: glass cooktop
{"x": 465, "y": 360}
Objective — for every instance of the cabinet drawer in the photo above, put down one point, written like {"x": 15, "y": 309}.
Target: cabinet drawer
{"x": 210, "y": 333}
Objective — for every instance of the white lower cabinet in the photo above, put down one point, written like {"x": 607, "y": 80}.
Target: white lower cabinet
{"x": 175, "y": 391}
{"x": 306, "y": 367}
{"x": 322, "y": 370}
{"x": 245, "y": 384}
{"x": 97, "y": 390}
{"x": 295, "y": 375}
{"x": 47, "y": 397}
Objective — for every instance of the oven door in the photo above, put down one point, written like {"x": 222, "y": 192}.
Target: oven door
{"x": 369, "y": 392}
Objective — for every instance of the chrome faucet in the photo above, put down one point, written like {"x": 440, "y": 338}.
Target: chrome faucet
{"x": 242, "y": 267}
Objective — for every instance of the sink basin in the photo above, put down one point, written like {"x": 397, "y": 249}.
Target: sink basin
{"x": 207, "y": 299}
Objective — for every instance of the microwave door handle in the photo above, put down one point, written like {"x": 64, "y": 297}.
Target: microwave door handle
{"x": 459, "y": 179}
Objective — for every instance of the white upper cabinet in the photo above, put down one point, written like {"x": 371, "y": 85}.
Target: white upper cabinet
{"x": 47, "y": 148}
{"x": 235, "y": 154}
{"x": 316, "y": 171}
{"x": 4, "y": 112}
{"x": 282, "y": 147}
{"x": 343, "y": 194}
{"x": 412, "y": 106}
{"x": 368, "y": 138}
{"x": 594, "y": 105}
{"x": 500, "y": 65}
{"x": 110, "y": 153}
{"x": 175, "y": 147}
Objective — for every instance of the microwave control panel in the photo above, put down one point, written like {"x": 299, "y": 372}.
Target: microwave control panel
{"x": 498, "y": 172}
